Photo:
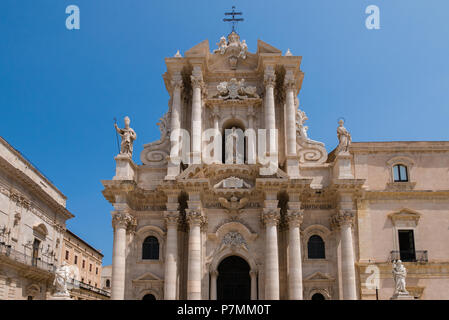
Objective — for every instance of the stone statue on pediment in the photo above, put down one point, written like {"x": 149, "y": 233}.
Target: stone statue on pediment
{"x": 128, "y": 136}
{"x": 344, "y": 137}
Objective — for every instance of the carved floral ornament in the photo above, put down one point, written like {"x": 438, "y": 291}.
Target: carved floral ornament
{"x": 123, "y": 220}
{"x": 233, "y": 90}
{"x": 295, "y": 217}
{"x": 195, "y": 217}
{"x": 271, "y": 215}
{"x": 343, "y": 217}
{"x": 234, "y": 240}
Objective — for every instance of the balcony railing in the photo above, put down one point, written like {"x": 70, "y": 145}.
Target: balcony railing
{"x": 21, "y": 257}
{"x": 409, "y": 255}
{"x": 78, "y": 284}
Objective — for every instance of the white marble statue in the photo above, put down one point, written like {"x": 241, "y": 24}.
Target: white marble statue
{"x": 344, "y": 137}
{"x": 222, "y": 45}
{"x": 399, "y": 274}
{"x": 128, "y": 136}
{"x": 243, "y": 49}
{"x": 61, "y": 278}
{"x": 231, "y": 151}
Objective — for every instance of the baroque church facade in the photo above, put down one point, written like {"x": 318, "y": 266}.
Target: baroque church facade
{"x": 189, "y": 224}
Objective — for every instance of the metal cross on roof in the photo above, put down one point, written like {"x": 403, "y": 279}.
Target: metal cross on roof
{"x": 233, "y": 20}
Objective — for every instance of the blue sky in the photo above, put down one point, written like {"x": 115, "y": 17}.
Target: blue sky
{"x": 61, "y": 89}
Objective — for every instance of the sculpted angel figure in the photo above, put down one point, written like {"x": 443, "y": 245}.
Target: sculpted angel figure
{"x": 128, "y": 136}
{"x": 344, "y": 137}
{"x": 243, "y": 49}
{"x": 399, "y": 274}
{"x": 222, "y": 45}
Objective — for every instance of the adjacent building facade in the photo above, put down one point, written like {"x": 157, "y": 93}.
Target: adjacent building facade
{"x": 293, "y": 222}
{"x": 33, "y": 216}
{"x": 86, "y": 266}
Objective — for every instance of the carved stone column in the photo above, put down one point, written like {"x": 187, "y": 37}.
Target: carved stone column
{"x": 344, "y": 220}
{"x": 294, "y": 276}
{"x": 253, "y": 275}
{"x": 270, "y": 218}
{"x": 292, "y": 157}
{"x": 197, "y": 84}
{"x": 175, "y": 123}
{"x": 120, "y": 223}
{"x": 270, "y": 118}
{"x": 213, "y": 284}
{"x": 195, "y": 219}
{"x": 171, "y": 253}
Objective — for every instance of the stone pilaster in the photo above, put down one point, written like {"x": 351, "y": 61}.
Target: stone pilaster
{"x": 294, "y": 276}
{"x": 270, "y": 217}
{"x": 253, "y": 276}
{"x": 213, "y": 284}
{"x": 120, "y": 222}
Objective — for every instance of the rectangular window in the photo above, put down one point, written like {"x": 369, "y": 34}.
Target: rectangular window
{"x": 76, "y": 259}
{"x": 84, "y": 264}
{"x": 67, "y": 255}
{"x": 96, "y": 270}
{"x": 406, "y": 245}
{"x": 90, "y": 267}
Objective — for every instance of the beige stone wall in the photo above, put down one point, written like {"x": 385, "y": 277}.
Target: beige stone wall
{"x": 88, "y": 260}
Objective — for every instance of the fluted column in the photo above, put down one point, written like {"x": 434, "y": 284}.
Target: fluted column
{"x": 270, "y": 218}
{"x": 197, "y": 84}
{"x": 213, "y": 284}
{"x": 195, "y": 220}
{"x": 120, "y": 223}
{"x": 270, "y": 118}
{"x": 290, "y": 87}
{"x": 294, "y": 276}
{"x": 173, "y": 168}
{"x": 253, "y": 275}
{"x": 171, "y": 254}
{"x": 344, "y": 220}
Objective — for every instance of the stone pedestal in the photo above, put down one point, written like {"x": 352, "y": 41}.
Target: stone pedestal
{"x": 60, "y": 297}
{"x": 125, "y": 168}
{"x": 402, "y": 297}
{"x": 342, "y": 168}
{"x": 292, "y": 167}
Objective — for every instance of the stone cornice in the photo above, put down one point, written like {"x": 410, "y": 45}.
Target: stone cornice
{"x": 35, "y": 189}
{"x": 410, "y": 194}
{"x": 399, "y": 146}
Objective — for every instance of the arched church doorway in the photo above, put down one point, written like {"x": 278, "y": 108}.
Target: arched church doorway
{"x": 233, "y": 282}
{"x": 318, "y": 297}
{"x": 149, "y": 296}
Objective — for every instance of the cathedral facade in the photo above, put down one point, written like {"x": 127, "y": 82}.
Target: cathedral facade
{"x": 235, "y": 201}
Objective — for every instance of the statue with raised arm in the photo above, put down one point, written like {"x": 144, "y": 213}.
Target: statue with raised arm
{"x": 399, "y": 274}
{"x": 344, "y": 137}
{"x": 128, "y": 136}
{"x": 61, "y": 278}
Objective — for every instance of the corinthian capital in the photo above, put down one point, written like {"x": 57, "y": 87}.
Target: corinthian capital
{"x": 195, "y": 217}
{"x": 122, "y": 220}
{"x": 271, "y": 216}
{"x": 269, "y": 79}
{"x": 289, "y": 83}
{"x": 343, "y": 217}
{"x": 294, "y": 217}
{"x": 171, "y": 218}
{"x": 197, "y": 81}
{"x": 177, "y": 84}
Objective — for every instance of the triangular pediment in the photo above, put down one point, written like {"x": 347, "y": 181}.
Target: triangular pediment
{"x": 201, "y": 49}
{"x": 318, "y": 276}
{"x": 405, "y": 214}
{"x": 263, "y": 47}
{"x": 148, "y": 276}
